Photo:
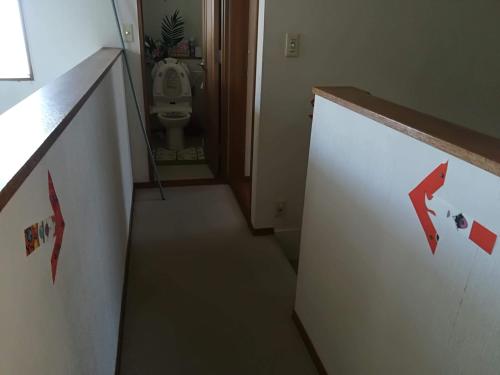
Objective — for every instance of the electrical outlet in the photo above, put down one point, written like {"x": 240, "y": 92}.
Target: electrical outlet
{"x": 280, "y": 209}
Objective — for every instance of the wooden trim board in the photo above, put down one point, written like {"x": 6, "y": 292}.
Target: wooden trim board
{"x": 475, "y": 148}
{"x": 261, "y": 231}
{"x": 309, "y": 345}
{"x": 43, "y": 116}
{"x": 124, "y": 287}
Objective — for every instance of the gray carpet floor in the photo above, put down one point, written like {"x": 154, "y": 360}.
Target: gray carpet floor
{"x": 204, "y": 296}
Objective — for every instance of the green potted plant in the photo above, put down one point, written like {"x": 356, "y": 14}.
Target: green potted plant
{"x": 172, "y": 30}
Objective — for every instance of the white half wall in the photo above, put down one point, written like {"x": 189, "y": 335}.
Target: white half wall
{"x": 439, "y": 57}
{"x": 371, "y": 295}
{"x": 70, "y": 327}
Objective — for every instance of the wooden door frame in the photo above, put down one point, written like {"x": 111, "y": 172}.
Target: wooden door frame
{"x": 234, "y": 89}
{"x": 212, "y": 44}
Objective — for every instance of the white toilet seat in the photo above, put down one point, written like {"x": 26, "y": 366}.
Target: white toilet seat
{"x": 174, "y": 115}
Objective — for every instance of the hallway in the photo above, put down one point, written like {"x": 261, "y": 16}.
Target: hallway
{"x": 204, "y": 296}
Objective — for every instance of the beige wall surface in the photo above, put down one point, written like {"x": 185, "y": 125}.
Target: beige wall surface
{"x": 370, "y": 293}
{"x": 440, "y": 57}
{"x": 70, "y": 327}
{"x": 127, "y": 10}
{"x": 60, "y": 34}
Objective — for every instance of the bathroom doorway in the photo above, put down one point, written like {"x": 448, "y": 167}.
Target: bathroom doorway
{"x": 200, "y": 130}
{"x": 177, "y": 91}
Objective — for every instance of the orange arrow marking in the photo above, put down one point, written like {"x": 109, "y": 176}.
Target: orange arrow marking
{"x": 427, "y": 188}
{"x": 480, "y": 235}
{"x": 483, "y": 237}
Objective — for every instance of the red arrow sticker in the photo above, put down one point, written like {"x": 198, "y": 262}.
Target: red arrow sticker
{"x": 41, "y": 234}
{"x": 483, "y": 237}
{"x": 59, "y": 227}
{"x": 427, "y": 188}
{"x": 478, "y": 234}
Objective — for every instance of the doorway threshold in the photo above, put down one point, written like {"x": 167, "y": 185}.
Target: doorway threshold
{"x": 185, "y": 172}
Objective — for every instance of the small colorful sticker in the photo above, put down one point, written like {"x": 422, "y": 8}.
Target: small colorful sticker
{"x": 31, "y": 239}
{"x": 41, "y": 232}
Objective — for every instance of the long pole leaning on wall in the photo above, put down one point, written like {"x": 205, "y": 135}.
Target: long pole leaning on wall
{"x": 137, "y": 107}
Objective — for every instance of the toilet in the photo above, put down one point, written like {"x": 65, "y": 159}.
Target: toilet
{"x": 172, "y": 100}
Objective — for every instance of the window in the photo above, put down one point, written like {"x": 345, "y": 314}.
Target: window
{"x": 14, "y": 59}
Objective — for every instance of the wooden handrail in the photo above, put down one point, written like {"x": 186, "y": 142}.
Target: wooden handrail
{"x": 30, "y": 128}
{"x": 475, "y": 148}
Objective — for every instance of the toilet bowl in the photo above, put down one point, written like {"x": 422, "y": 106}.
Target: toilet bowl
{"x": 174, "y": 122}
{"x": 172, "y": 100}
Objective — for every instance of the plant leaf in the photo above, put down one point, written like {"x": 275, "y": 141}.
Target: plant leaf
{"x": 172, "y": 29}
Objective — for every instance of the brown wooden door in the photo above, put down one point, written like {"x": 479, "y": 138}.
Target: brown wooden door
{"x": 234, "y": 96}
{"x": 211, "y": 48}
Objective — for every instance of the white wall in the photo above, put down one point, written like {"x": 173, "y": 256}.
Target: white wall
{"x": 70, "y": 327}
{"x": 190, "y": 10}
{"x": 60, "y": 34}
{"x": 439, "y": 57}
{"x": 371, "y": 295}
{"x": 128, "y": 14}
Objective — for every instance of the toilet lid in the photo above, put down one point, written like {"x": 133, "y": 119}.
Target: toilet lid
{"x": 171, "y": 81}
{"x": 172, "y": 86}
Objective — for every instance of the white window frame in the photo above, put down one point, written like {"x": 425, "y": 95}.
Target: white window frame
{"x": 29, "y": 77}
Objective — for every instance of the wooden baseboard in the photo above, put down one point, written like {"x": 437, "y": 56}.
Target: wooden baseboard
{"x": 261, "y": 231}
{"x": 247, "y": 213}
{"x": 309, "y": 345}
{"x": 243, "y": 197}
{"x": 124, "y": 287}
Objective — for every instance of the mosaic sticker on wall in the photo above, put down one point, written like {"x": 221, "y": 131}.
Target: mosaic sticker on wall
{"x": 47, "y": 232}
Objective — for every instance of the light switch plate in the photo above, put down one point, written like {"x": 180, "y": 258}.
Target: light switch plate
{"x": 128, "y": 33}
{"x": 292, "y": 45}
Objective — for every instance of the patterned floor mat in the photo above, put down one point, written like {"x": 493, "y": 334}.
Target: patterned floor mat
{"x": 191, "y": 155}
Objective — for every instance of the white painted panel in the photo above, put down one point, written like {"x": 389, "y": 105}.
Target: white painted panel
{"x": 70, "y": 327}
{"x": 371, "y": 294}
